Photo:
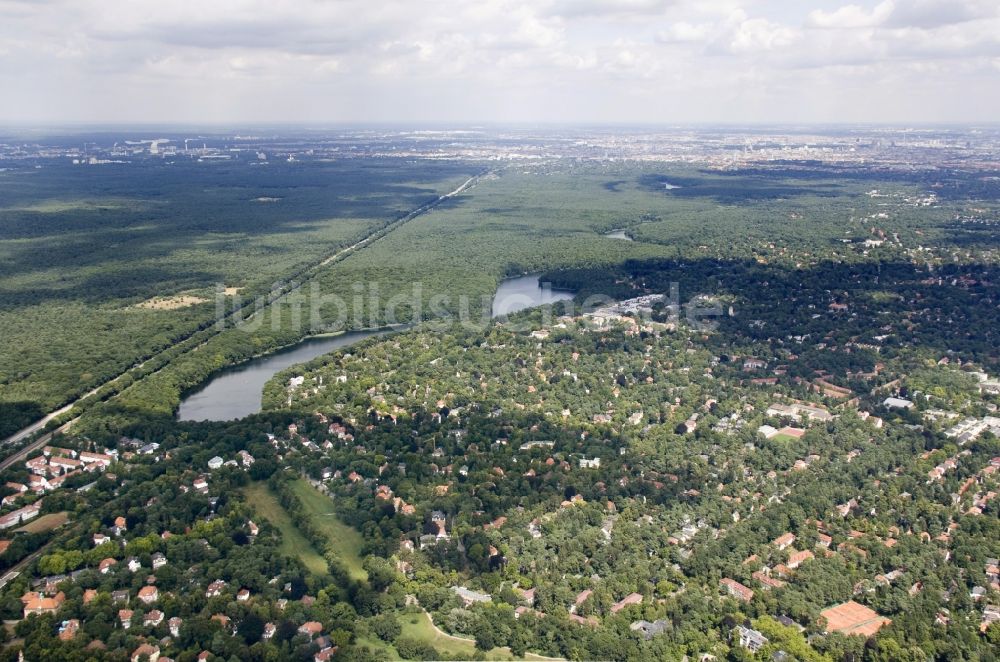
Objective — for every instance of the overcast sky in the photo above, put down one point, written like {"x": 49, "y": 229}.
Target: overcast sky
{"x": 650, "y": 61}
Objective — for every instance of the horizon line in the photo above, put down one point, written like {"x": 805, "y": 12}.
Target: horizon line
{"x": 473, "y": 124}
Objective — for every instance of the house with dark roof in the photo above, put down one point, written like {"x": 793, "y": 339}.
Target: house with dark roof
{"x": 649, "y": 630}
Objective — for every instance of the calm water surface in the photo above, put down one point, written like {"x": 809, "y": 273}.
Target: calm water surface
{"x": 236, "y": 392}
{"x": 516, "y": 294}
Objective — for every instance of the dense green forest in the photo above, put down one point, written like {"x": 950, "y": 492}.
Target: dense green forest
{"x": 552, "y": 216}
{"x": 489, "y": 427}
{"x": 81, "y": 247}
{"x": 474, "y": 397}
{"x": 583, "y": 482}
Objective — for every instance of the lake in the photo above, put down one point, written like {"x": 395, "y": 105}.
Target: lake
{"x": 522, "y": 292}
{"x": 236, "y": 392}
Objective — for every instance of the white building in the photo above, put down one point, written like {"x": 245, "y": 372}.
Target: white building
{"x": 750, "y": 639}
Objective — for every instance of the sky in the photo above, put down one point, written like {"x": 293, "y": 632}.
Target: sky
{"x": 499, "y": 61}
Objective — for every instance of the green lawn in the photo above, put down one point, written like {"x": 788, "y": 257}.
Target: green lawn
{"x": 419, "y": 626}
{"x": 293, "y": 543}
{"x": 45, "y": 523}
{"x": 344, "y": 540}
{"x": 347, "y": 543}
{"x": 377, "y": 644}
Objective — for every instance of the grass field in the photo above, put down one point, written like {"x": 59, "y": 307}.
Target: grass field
{"x": 345, "y": 541}
{"x": 419, "y": 626}
{"x": 45, "y": 523}
{"x": 293, "y": 543}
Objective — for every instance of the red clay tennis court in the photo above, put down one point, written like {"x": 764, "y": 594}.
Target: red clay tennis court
{"x": 853, "y": 618}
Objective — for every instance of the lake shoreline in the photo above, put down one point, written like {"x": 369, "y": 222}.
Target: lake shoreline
{"x": 236, "y": 391}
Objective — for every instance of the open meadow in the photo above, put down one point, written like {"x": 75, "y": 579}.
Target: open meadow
{"x": 344, "y": 541}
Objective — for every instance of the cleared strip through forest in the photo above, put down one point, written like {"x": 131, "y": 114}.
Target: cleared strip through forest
{"x": 209, "y": 330}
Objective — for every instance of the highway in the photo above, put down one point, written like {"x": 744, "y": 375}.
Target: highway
{"x": 294, "y": 284}
{"x": 33, "y": 446}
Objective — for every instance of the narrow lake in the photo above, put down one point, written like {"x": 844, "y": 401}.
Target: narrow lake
{"x": 236, "y": 392}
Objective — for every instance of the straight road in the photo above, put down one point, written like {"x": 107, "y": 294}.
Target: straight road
{"x": 16, "y": 569}
{"x": 33, "y": 446}
{"x": 297, "y": 281}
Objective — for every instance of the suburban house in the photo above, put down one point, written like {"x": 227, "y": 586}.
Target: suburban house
{"x": 20, "y": 515}
{"x": 766, "y": 580}
{"x": 125, "y": 616}
{"x": 649, "y": 630}
{"x": 470, "y": 597}
{"x": 750, "y": 639}
{"x": 784, "y": 541}
{"x": 736, "y": 589}
{"x": 215, "y": 588}
{"x": 149, "y": 594}
{"x": 311, "y": 628}
{"x": 630, "y": 599}
{"x": 798, "y": 558}
{"x": 68, "y": 629}
{"x": 146, "y": 652}
{"x": 36, "y": 603}
{"x": 174, "y": 624}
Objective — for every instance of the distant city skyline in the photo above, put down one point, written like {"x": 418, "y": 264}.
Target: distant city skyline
{"x": 500, "y": 61}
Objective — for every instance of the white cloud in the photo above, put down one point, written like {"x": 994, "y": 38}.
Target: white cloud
{"x": 490, "y": 59}
{"x": 851, "y": 16}
{"x": 757, "y": 34}
{"x": 930, "y": 14}
{"x": 684, "y": 32}
{"x": 605, "y": 8}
